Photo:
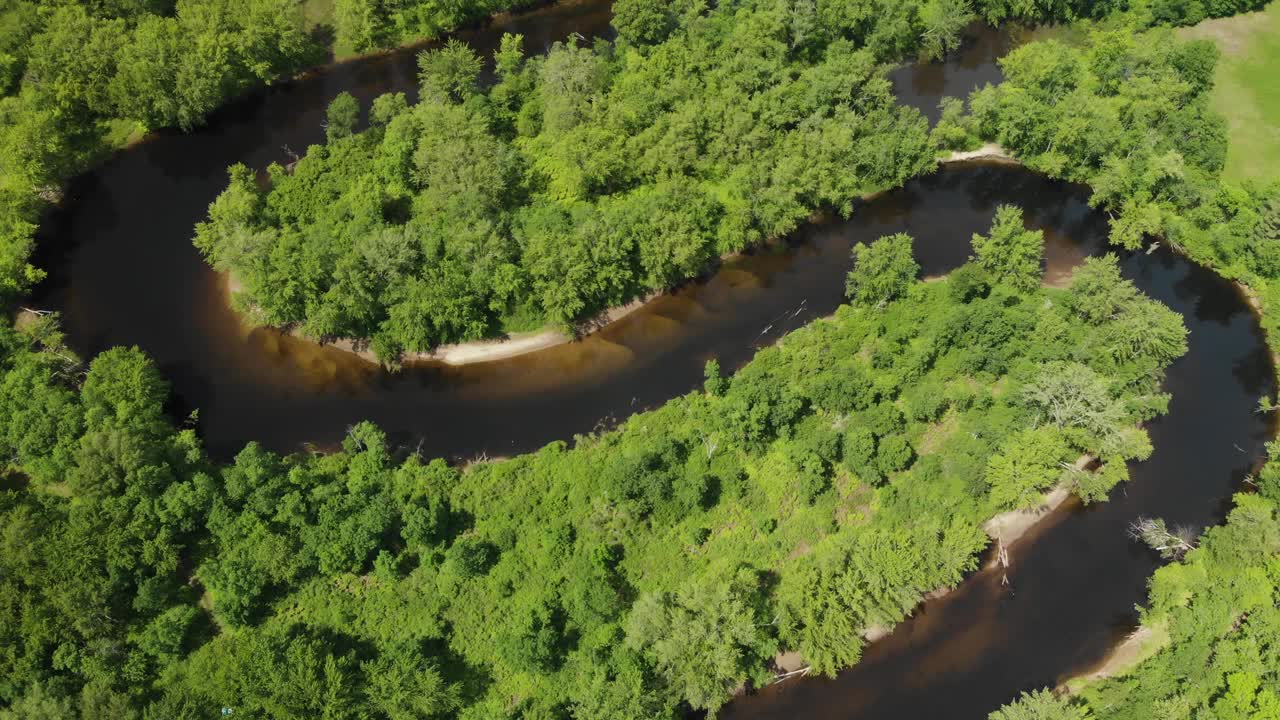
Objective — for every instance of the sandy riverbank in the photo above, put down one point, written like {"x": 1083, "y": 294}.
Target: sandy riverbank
{"x": 516, "y": 344}
{"x": 1005, "y": 529}
{"x": 990, "y": 151}
{"x": 1138, "y": 646}
{"x": 467, "y": 353}
{"x": 1009, "y": 527}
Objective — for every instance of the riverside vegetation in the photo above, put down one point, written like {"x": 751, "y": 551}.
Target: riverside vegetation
{"x": 818, "y": 492}
{"x": 1211, "y": 625}
{"x": 578, "y": 181}
{"x": 588, "y": 177}
{"x": 79, "y": 78}
{"x": 1212, "y": 617}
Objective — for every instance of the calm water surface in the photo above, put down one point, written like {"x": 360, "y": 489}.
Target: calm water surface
{"x": 123, "y": 271}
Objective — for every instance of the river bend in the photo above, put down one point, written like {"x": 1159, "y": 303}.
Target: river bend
{"x": 123, "y": 272}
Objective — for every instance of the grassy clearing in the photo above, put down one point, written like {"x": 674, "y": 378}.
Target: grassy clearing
{"x": 319, "y": 15}
{"x": 317, "y": 12}
{"x": 1247, "y": 89}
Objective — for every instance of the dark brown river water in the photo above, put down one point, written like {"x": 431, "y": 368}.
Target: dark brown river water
{"x": 123, "y": 272}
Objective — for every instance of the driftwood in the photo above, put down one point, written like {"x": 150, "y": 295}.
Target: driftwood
{"x": 1002, "y": 560}
{"x": 783, "y": 676}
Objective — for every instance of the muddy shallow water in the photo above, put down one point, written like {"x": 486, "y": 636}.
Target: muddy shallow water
{"x": 123, "y": 272}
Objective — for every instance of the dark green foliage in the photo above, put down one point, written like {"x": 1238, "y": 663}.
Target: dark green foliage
{"x": 69, "y": 70}
{"x": 580, "y": 180}
{"x": 363, "y": 25}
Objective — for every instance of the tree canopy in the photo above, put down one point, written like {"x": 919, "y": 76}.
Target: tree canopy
{"x": 638, "y": 573}
{"x": 577, "y": 181}
{"x": 882, "y": 271}
{"x": 1127, "y": 114}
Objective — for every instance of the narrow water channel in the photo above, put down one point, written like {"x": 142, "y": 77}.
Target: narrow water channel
{"x": 123, "y": 272}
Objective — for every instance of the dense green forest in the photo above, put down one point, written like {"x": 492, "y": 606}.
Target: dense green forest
{"x": 596, "y": 175}
{"x": 79, "y": 78}
{"x": 581, "y": 179}
{"x": 816, "y": 493}
{"x": 1127, "y": 114}
{"x": 363, "y": 25}
{"x": 76, "y": 78}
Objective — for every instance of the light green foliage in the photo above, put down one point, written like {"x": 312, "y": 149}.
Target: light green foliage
{"x": 715, "y": 383}
{"x": 882, "y": 271}
{"x": 645, "y": 22}
{"x": 942, "y": 21}
{"x": 1011, "y": 254}
{"x": 38, "y": 704}
{"x": 805, "y": 499}
{"x": 1094, "y": 486}
{"x": 229, "y": 239}
{"x": 581, "y": 180}
{"x": 449, "y": 73}
{"x": 704, "y": 639}
{"x": 403, "y": 685}
{"x": 1028, "y": 463}
{"x": 955, "y": 130}
{"x": 341, "y": 117}
{"x": 1040, "y": 705}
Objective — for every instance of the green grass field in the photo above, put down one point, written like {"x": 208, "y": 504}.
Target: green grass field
{"x": 1247, "y": 89}
{"x": 319, "y": 14}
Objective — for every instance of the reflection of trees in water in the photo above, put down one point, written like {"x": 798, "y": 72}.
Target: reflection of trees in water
{"x": 963, "y": 70}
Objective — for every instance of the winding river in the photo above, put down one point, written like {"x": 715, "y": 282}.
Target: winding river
{"x": 123, "y": 272}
